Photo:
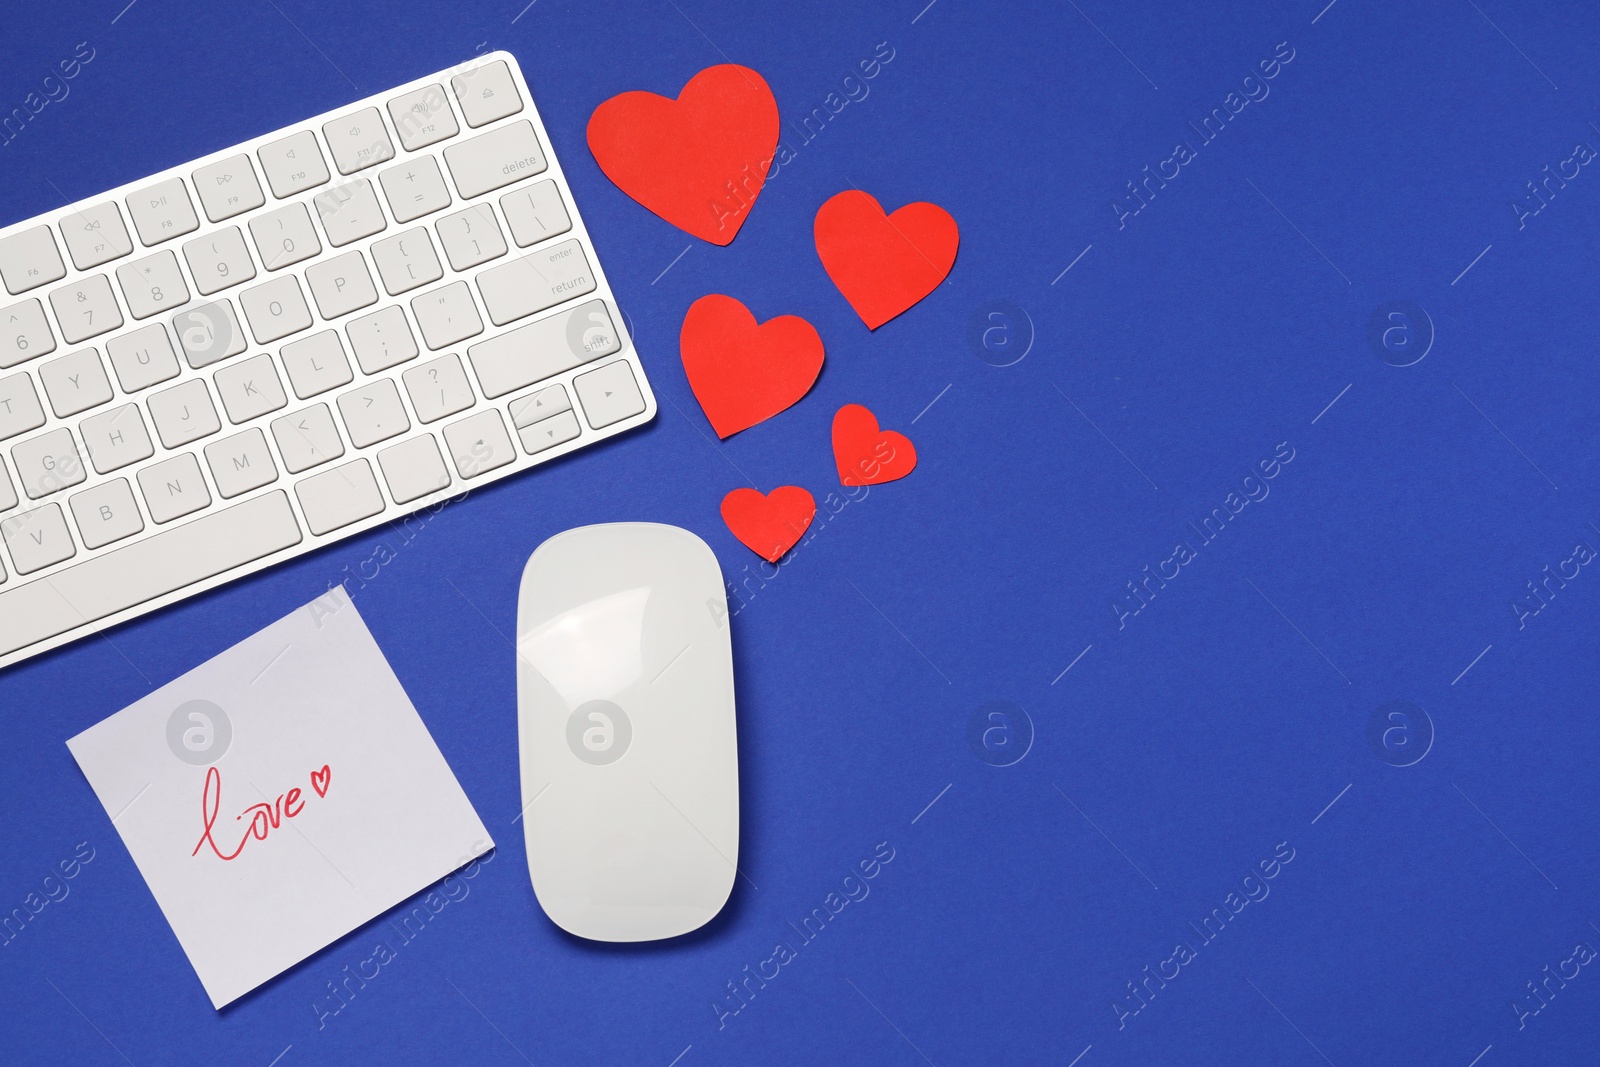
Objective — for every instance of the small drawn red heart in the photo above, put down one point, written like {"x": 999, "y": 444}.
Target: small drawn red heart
{"x": 769, "y": 525}
{"x": 319, "y": 780}
{"x": 883, "y": 264}
{"x": 698, "y": 161}
{"x": 743, "y": 373}
{"x": 865, "y": 454}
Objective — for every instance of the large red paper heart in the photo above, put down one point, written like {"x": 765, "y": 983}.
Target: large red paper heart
{"x": 698, "y": 161}
{"x": 743, "y": 373}
{"x": 769, "y": 525}
{"x": 883, "y": 264}
{"x": 865, "y": 454}
{"x": 319, "y": 780}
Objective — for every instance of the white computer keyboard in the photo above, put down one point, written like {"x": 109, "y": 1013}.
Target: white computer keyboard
{"x": 286, "y": 342}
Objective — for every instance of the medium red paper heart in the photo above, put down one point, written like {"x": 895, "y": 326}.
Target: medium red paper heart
{"x": 883, "y": 264}
{"x": 698, "y": 161}
{"x": 743, "y": 373}
{"x": 865, "y": 454}
{"x": 769, "y": 525}
{"x": 319, "y": 780}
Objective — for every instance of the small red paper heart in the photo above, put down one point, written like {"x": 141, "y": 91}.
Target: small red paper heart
{"x": 698, "y": 161}
{"x": 319, "y": 780}
{"x": 865, "y": 454}
{"x": 743, "y": 373}
{"x": 883, "y": 264}
{"x": 769, "y": 525}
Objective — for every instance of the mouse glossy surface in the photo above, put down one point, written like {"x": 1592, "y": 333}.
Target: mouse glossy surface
{"x": 630, "y": 780}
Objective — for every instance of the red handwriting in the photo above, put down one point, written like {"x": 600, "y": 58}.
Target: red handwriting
{"x": 260, "y": 819}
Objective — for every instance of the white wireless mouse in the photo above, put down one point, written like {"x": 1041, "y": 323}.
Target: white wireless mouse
{"x": 630, "y": 767}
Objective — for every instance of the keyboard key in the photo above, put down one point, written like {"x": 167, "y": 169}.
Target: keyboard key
{"x": 338, "y": 497}
{"x": 373, "y": 413}
{"x": 535, "y": 281}
{"x": 496, "y": 158}
{"x": 406, "y": 261}
{"x": 37, "y": 538}
{"x": 471, "y": 236}
{"x": 174, "y": 488}
{"x": 350, "y": 212}
{"x": 275, "y": 309}
{"x": 437, "y": 388}
{"x": 556, "y": 430}
{"x": 24, "y": 333}
{"x": 228, "y": 187}
{"x": 8, "y": 500}
{"x": 160, "y": 564}
{"x": 184, "y": 413}
{"x": 96, "y": 235}
{"x": 284, "y": 236}
{"x": 535, "y": 213}
{"x": 415, "y": 188}
{"x": 208, "y": 333}
{"x": 307, "y": 438}
{"x": 609, "y": 394}
{"x": 142, "y": 357}
{"x": 116, "y": 438}
{"x": 341, "y": 285}
{"x": 527, "y": 410}
{"x": 316, "y": 364}
{"x": 544, "y": 347}
{"x": 381, "y": 340}
{"x": 423, "y": 117}
{"x": 358, "y": 141}
{"x": 106, "y": 513}
{"x": 30, "y": 259}
{"x": 153, "y": 284}
{"x": 75, "y": 382}
{"x": 47, "y": 463}
{"x": 293, "y": 164}
{"x": 220, "y": 260}
{"x": 479, "y": 443}
{"x": 241, "y": 463}
{"x": 413, "y": 469}
{"x": 19, "y": 406}
{"x": 486, "y": 93}
{"x": 86, "y": 308}
{"x": 162, "y": 212}
{"x": 447, "y": 315}
{"x": 250, "y": 389}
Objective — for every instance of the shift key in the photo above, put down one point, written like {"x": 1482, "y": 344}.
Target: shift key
{"x": 535, "y": 281}
{"x": 496, "y": 158}
{"x": 544, "y": 347}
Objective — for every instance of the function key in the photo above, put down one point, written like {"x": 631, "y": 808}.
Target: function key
{"x": 228, "y": 187}
{"x": 423, "y": 117}
{"x": 358, "y": 141}
{"x": 486, "y": 93}
{"x": 293, "y": 164}
{"x": 162, "y": 212}
{"x": 29, "y": 259}
{"x": 96, "y": 235}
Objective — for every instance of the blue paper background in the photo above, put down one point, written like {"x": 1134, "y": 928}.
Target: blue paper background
{"x": 1178, "y": 751}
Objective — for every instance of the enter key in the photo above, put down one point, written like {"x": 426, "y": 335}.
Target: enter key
{"x": 534, "y": 281}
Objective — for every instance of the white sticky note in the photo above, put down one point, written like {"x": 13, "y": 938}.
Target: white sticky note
{"x": 280, "y": 795}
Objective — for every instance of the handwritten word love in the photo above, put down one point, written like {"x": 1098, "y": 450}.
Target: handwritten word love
{"x": 262, "y": 818}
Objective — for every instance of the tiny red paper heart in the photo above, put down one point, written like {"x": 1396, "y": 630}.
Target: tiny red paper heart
{"x": 319, "y": 780}
{"x": 698, "y": 161}
{"x": 865, "y": 454}
{"x": 743, "y": 373}
{"x": 882, "y": 263}
{"x": 769, "y": 525}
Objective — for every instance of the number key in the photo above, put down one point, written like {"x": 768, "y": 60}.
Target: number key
{"x": 24, "y": 333}
{"x": 219, "y": 260}
{"x": 285, "y": 236}
{"x": 86, "y": 308}
{"x": 153, "y": 284}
